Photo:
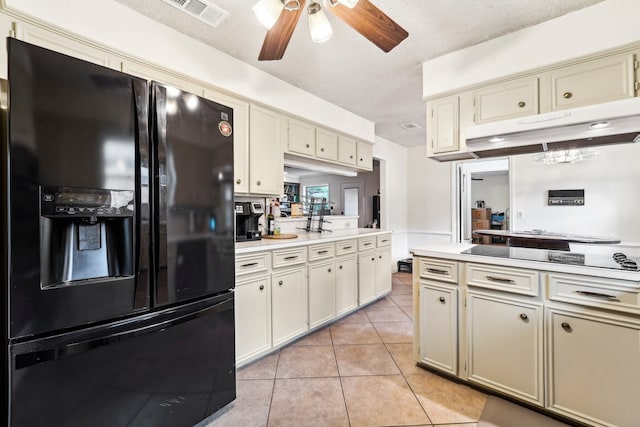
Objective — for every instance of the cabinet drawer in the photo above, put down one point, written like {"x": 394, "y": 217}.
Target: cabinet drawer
{"x": 365, "y": 243}
{"x": 438, "y": 269}
{"x": 513, "y": 280}
{"x": 384, "y": 240}
{"x": 325, "y": 250}
{"x": 287, "y": 257}
{"x": 346, "y": 246}
{"x": 594, "y": 292}
{"x": 252, "y": 263}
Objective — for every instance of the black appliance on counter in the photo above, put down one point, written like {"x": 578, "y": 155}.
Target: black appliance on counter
{"x": 118, "y": 233}
{"x": 247, "y": 216}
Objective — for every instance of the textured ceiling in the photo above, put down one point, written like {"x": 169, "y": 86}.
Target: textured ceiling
{"x": 348, "y": 70}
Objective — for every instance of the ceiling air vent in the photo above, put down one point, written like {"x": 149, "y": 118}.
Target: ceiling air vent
{"x": 410, "y": 126}
{"x": 206, "y": 12}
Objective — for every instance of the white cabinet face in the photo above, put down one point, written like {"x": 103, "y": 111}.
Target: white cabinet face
{"x": 346, "y": 284}
{"x": 253, "y": 318}
{"x": 439, "y": 326}
{"x": 322, "y": 292}
{"x": 302, "y": 138}
{"x": 504, "y": 340}
{"x": 289, "y": 304}
{"x": 366, "y": 277}
{"x": 383, "y": 271}
{"x": 266, "y": 169}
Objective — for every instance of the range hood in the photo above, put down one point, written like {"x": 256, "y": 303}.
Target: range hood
{"x": 614, "y": 122}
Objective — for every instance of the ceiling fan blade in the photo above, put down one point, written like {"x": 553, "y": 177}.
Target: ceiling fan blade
{"x": 277, "y": 38}
{"x": 372, "y": 23}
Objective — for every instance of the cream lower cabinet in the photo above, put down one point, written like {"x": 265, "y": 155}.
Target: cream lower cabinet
{"x": 438, "y": 346}
{"x": 346, "y": 284}
{"x": 505, "y": 345}
{"x": 383, "y": 271}
{"x": 322, "y": 292}
{"x": 252, "y": 317}
{"x": 289, "y": 304}
{"x": 366, "y": 277}
{"x": 593, "y": 366}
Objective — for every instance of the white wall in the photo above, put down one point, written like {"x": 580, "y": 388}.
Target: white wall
{"x": 114, "y": 25}
{"x": 430, "y": 214}
{"x": 494, "y": 190}
{"x": 611, "y": 184}
{"x": 605, "y": 25}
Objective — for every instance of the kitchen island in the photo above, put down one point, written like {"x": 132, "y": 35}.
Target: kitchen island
{"x": 288, "y": 288}
{"x": 562, "y": 337}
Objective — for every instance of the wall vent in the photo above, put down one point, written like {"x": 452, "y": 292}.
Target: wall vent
{"x": 208, "y": 13}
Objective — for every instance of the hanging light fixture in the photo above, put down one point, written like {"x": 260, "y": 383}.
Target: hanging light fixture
{"x": 318, "y": 24}
{"x": 268, "y": 12}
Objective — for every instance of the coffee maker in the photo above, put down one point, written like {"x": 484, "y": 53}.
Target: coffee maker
{"x": 247, "y": 215}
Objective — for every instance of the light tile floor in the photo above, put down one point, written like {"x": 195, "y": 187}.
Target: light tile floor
{"x": 356, "y": 372}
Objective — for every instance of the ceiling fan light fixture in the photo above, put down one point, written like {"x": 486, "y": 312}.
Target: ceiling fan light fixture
{"x": 347, "y": 3}
{"x": 268, "y": 12}
{"x": 319, "y": 26}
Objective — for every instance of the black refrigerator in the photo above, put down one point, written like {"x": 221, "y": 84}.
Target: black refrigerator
{"x": 117, "y": 230}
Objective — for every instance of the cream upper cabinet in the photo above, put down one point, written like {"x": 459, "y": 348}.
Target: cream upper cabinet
{"x": 507, "y": 100}
{"x": 443, "y": 125}
{"x": 240, "y": 138}
{"x": 347, "y": 150}
{"x": 326, "y": 144}
{"x": 266, "y": 168}
{"x": 364, "y": 155}
{"x": 594, "y": 366}
{"x": 592, "y": 82}
{"x": 504, "y": 345}
{"x": 301, "y": 138}
{"x": 69, "y": 46}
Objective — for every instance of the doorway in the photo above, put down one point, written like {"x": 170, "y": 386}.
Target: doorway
{"x": 485, "y": 184}
{"x": 353, "y": 201}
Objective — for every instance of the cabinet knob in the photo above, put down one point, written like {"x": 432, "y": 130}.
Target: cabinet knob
{"x": 307, "y": 145}
{"x": 322, "y": 149}
{"x": 524, "y": 317}
{"x": 351, "y": 157}
{"x": 380, "y": 256}
{"x": 261, "y": 287}
{"x": 442, "y": 300}
{"x": 361, "y": 159}
{"x": 567, "y": 95}
{"x": 521, "y": 104}
{"x": 373, "y": 259}
{"x": 567, "y": 327}
{"x": 340, "y": 267}
{"x": 238, "y": 181}
{"x": 280, "y": 283}
{"x": 329, "y": 270}
{"x": 258, "y": 183}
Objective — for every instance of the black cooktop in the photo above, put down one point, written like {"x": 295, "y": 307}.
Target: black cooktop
{"x": 615, "y": 261}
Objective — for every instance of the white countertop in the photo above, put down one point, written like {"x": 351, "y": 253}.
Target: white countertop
{"x": 452, "y": 251}
{"x": 305, "y": 238}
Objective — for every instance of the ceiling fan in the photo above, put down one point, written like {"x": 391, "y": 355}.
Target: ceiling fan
{"x": 281, "y": 16}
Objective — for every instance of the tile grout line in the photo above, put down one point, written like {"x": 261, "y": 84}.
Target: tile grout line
{"x": 344, "y": 399}
{"x": 273, "y": 388}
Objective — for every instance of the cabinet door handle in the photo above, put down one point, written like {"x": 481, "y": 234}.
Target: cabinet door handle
{"x": 323, "y": 252}
{"x": 598, "y": 295}
{"x": 567, "y": 327}
{"x": 261, "y": 287}
{"x": 499, "y": 279}
{"x": 289, "y": 258}
{"x": 238, "y": 181}
{"x": 367, "y": 244}
{"x": 521, "y": 104}
{"x": 442, "y": 300}
{"x": 280, "y": 283}
{"x": 250, "y": 264}
{"x": 258, "y": 183}
{"x": 524, "y": 317}
{"x": 437, "y": 271}
{"x": 567, "y": 95}
{"x": 384, "y": 241}
{"x": 344, "y": 248}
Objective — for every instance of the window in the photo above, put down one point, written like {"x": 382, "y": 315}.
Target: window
{"x": 315, "y": 193}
